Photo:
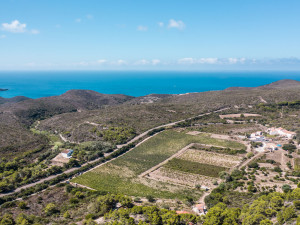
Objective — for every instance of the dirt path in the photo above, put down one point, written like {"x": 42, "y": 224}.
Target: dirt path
{"x": 90, "y": 162}
{"x": 201, "y": 199}
{"x": 245, "y": 163}
{"x": 262, "y": 100}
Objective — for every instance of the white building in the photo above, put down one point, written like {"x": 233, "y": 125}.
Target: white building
{"x": 67, "y": 153}
{"x": 281, "y": 132}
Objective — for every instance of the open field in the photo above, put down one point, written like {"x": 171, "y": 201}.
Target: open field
{"x": 165, "y": 174}
{"x": 195, "y": 167}
{"x": 211, "y": 158}
{"x": 121, "y": 174}
{"x": 239, "y": 115}
{"x": 206, "y": 139}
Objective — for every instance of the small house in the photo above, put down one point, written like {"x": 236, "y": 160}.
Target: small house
{"x": 67, "y": 153}
{"x": 199, "y": 209}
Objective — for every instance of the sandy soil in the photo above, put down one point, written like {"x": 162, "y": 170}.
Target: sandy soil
{"x": 59, "y": 160}
{"x": 237, "y": 115}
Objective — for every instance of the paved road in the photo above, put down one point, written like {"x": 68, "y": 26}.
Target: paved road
{"x": 118, "y": 147}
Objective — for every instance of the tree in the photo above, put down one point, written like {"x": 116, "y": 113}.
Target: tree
{"x": 150, "y": 198}
{"x": 22, "y": 205}
{"x": 276, "y": 202}
{"x": 7, "y": 219}
{"x": 297, "y": 204}
{"x": 286, "y": 188}
{"x": 288, "y": 213}
{"x": 266, "y": 222}
{"x": 289, "y": 147}
{"x": 50, "y": 209}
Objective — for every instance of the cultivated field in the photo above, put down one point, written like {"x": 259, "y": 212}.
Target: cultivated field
{"x": 211, "y": 158}
{"x": 195, "y": 167}
{"x": 122, "y": 174}
{"x": 165, "y": 174}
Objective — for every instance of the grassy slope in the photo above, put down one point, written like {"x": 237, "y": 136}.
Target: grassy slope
{"x": 121, "y": 175}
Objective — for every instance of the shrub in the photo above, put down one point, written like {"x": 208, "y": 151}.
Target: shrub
{"x": 22, "y": 205}
{"x": 50, "y": 209}
{"x": 150, "y": 198}
{"x": 286, "y": 188}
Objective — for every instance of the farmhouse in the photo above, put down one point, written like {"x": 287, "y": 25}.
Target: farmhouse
{"x": 67, "y": 153}
{"x": 281, "y": 132}
{"x": 271, "y": 147}
{"x": 200, "y": 209}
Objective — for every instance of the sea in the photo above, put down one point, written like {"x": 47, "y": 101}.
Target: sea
{"x": 135, "y": 83}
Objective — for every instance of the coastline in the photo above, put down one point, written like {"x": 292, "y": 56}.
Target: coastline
{"x": 46, "y": 84}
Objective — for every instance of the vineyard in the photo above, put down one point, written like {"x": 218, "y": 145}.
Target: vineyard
{"x": 122, "y": 174}
{"x": 195, "y": 167}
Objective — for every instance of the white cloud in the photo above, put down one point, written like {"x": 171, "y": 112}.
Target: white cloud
{"x": 2, "y": 36}
{"x": 176, "y": 24}
{"x": 142, "y": 28}
{"x": 186, "y": 61}
{"x": 208, "y": 60}
{"x": 142, "y": 62}
{"x": 101, "y": 61}
{"x": 220, "y": 61}
{"x": 120, "y": 62}
{"x": 14, "y": 27}
{"x": 155, "y": 61}
{"x": 161, "y": 24}
{"x": 78, "y": 20}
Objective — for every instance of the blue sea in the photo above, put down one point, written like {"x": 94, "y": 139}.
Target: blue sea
{"x": 134, "y": 83}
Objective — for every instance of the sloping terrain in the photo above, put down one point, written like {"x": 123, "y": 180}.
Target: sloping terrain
{"x": 15, "y": 119}
{"x": 13, "y": 100}
{"x": 83, "y": 114}
{"x": 81, "y": 126}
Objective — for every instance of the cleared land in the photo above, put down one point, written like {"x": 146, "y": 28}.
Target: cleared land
{"x": 165, "y": 174}
{"x": 121, "y": 174}
{"x": 239, "y": 115}
{"x": 211, "y": 158}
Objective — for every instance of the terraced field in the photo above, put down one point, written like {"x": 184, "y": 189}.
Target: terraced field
{"x": 121, "y": 174}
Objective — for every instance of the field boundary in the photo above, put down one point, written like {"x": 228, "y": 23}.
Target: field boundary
{"x": 165, "y": 161}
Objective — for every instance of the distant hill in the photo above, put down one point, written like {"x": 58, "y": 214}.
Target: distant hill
{"x": 15, "y": 118}
{"x": 77, "y": 112}
{"x": 13, "y": 100}
{"x": 74, "y": 100}
{"x": 281, "y": 84}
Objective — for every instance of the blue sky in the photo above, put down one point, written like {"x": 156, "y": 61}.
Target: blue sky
{"x": 149, "y": 35}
